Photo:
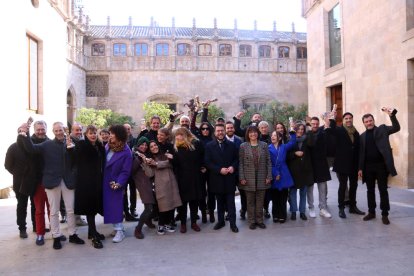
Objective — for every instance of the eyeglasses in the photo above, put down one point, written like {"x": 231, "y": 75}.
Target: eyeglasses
{"x": 204, "y": 128}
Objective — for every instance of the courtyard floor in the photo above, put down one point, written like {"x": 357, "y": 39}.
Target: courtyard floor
{"x": 315, "y": 247}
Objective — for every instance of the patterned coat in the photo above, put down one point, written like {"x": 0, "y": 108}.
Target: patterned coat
{"x": 247, "y": 171}
{"x": 117, "y": 169}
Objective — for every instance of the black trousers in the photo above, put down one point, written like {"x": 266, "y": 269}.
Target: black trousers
{"x": 279, "y": 203}
{"x": 226, "y": 202}
{"x": 145, "y": 215}
{"x": 182, "y": 210}
{"x": 267, "y": 199}
{"x": 165, "y": 218}
{"x": 91, "y": 225}
{"x": 343, "y": 184}
{"x": 21, "y": 210}
{"x": 377, "y": 172}
{"x": 243, "y": 200}
{"x": 132, "y": 197}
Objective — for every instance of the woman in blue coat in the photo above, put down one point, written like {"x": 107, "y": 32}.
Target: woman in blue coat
{"x": 116, "y": 173}
{"x": 281, "y": 177}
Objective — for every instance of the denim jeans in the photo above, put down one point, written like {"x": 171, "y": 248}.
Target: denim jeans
{"x": 302, "y": 199}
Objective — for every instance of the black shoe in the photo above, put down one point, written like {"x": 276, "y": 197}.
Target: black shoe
{"x": 212, "y": 218}
{"x": 62, "y": 238}
{"x": 369, "y": 216}
{"x": 252, "y": 226}
{"x": 303, "y": 216}
{"x": 346, "y": 203}
{"x": 129, "y": 217}
{"x": 226, "y": 217}
{"x": 275, "y": 220}
{"x": 293, "y": 216}
{"x": 282, "y": 220}
{"x": 96, "y": 242}
{"x": 75, "y": 239}
{"x": 234, "y": 229}
{"x": 134, "y": 213}
{"x": 23, "y": 234}
{"x": 63, "y": 220}
{"x": 40, "y": 240}
{"x": 242, "y": 214}
{"x": 219, "y": 225}
{"x": 56, "y": 243}
{"x": 355, "y": 210}
{"x": 385, "y": 220}
{"x": 261, "y": 225}
{"x": 204, "y": 217}
{"x": 97, "y": 235}
{"x": 266, "y": 214}
{"x": 155, "y": 218}
{"x": 342, "y": 213}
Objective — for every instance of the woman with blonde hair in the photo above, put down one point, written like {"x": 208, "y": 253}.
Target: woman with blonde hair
{"x": 188, "y": 163}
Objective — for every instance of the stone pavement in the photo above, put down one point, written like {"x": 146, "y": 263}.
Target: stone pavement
{"x": 315, "y": 247}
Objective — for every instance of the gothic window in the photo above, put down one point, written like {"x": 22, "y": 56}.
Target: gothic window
{"x": 204, "y": 50}
{"x": 334, "y": 24}
{"x": 120, "y": 49}
{"x": 224, "y": 50}
{"x": 98, "y": 49}
{"x": 141, "y": 49}
{"x": 284, "y": 52}
{"x": 162, "y": 49}
{"x": 245, "y": 50}
{"x": 301, "y": 52}
{"x": 264, "y": 51}
{"x": 183, "y": 49}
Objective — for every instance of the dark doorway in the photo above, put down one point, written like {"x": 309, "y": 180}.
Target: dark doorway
{"x": 336, "y": 98}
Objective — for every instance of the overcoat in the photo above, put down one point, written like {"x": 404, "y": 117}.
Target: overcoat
{"x": 117, "y": 169}
{"x": 142, "y": 181}
{"x": 301, "y": 167}
{"x": 215, "y": 159}
{"x": 247, "y": 171}
{"x": 320, "y": 165}
{"x": 90, "y": 162}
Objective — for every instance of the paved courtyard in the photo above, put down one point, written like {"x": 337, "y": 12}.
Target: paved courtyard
{"x": 315, "y": 247}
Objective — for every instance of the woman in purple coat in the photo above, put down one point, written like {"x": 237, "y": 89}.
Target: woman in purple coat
{"x": 116, "y": 173}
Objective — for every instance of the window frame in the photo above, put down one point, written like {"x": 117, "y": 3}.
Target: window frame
{"x": 281, "y": 52}
{"x": 96, "y": 53}
{"x": 140, "y": 44}
{"x": 187, "y": 48}
{"x": 226, "y": 53}
{"x": 302, "y": 54}
{"x": 265, "y": 47}
{"x": 247, "y": 50}
{"x": 210, "y": 53}
{"x": 163, "y": 50}
{"x": 122, "y": 53}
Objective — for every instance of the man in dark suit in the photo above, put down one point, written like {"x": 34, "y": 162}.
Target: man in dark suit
{"x": 376, "y": 161}
{"x": 221, "y": 159}
{"x": 346, "y": 139}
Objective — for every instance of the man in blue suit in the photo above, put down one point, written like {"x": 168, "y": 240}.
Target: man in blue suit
{"x": 221, "y": 159}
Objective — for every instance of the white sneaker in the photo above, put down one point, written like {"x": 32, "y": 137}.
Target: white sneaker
{"x": 324, "y": 213}
{"x": 312, "y": 213}
{"x": 169, "y": 228}
{"x": 160, "y": 230}
{"x": 119, "y": 236}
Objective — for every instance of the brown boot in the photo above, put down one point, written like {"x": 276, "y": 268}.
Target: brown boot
{"x": 138, "y": 233}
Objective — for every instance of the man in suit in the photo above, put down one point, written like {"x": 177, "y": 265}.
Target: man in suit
{"x": 346, "y": 139}
{"x": 376, "y": 161}
{"x": 255, "y": 120}
{"x": 221, "y": 159}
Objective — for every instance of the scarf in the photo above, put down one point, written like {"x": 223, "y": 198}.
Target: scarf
{"x": 350, "y": 130}
{"x": 299, "y": 140}
{"x": 117, "y": 146}
{"x": 181, "y": 144}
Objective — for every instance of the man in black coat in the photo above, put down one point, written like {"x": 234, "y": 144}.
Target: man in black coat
{"x": 20, "y": 165}
{"x": 376, "y": 161}
{"x": 346, "y": 161}
{"x": 241, "y": 132}
{"x": 221, "y": 159}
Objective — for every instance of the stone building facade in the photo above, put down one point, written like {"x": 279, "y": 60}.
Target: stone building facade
{"x": 129, "y": 65}
{"x": 361, "y": 57}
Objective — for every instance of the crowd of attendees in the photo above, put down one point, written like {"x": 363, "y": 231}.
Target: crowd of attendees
{"x": 199, "y": 168}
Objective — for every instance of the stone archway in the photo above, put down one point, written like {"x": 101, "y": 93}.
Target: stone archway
{"x": 171, "y": 100}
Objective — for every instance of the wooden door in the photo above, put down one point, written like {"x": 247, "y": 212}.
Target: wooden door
{"x": 336, "y": 98}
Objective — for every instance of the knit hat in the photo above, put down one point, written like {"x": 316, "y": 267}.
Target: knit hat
{"x": 141, "y": 141}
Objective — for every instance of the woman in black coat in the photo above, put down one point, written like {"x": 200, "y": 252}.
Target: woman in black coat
{"x": 188, "y": 163}
{"x": 300, "y": 166}
{"x": 89, "y": 159}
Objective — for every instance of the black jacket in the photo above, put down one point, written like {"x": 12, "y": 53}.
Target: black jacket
{"x": 347, "y": 153}
{"x": 301, "y": 167}
{"x": 215, "y": 160}
{"x": 381, "y": 136}
{"x": 320, "y": 165}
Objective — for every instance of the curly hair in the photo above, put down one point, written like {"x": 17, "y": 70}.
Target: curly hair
{"x": 120, "y": 132}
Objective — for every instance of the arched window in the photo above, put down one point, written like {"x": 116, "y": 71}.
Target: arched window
{"x": 98, "y": 49}
{"x": 120, "y": 49}
{"x": 162, "y": 49}
{"x": 284, "y": 52}
{"x": 224, "y": 50}
{"x": 301, "y": 52}
{"x": 245, "y": 50}
{"x": 183, "y": 49}
{"x": 264, "y": 51}
{"x": 204, "y": 50}
{"x": 141, "y": 49}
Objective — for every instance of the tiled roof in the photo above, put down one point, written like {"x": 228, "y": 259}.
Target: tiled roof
{"x": 97, "y": 31}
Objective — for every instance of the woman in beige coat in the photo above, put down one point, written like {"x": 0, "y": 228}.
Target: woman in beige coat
{"x": 255, "y": 175}
{"x": 166, "y": 188}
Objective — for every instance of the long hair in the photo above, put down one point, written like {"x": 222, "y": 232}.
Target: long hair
{"x": 189, "y": 138}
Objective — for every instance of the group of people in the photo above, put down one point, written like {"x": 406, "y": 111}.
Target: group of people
{"x": 197, "y": 168}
